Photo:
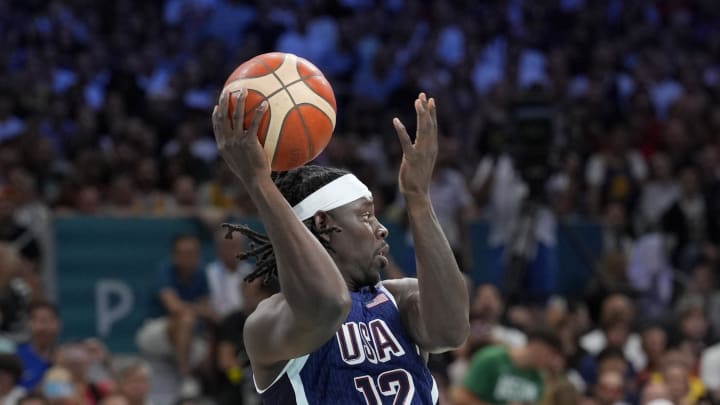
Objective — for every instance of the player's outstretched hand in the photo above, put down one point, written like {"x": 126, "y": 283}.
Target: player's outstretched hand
{"x": 240, "y": 147}
{"x": 418, "y": 158}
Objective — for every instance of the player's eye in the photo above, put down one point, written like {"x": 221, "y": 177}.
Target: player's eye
{"x": 366, "y": 215}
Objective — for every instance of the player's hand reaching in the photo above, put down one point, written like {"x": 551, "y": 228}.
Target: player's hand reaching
{"x": 418, "y": 158}
{"x": 240, "y": 147}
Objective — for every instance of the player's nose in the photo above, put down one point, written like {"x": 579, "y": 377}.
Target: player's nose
{"x": 381, "y": 232}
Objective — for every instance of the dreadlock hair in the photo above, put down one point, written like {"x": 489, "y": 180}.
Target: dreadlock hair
{"x": 295, "y": 185}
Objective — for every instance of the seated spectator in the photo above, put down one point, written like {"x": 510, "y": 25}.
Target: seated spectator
{"x": 133, "y": 382}
{"x": 225, "y": 275}
{"x": 37, "y": 353}
{"x": 10, "y": 373}
{"x": 75, "y": 358}
{"x": 179, "y": 301}
{"x": 500, "y": 375}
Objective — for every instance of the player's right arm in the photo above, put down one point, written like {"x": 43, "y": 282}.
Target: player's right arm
{"x": 314, "y": 300}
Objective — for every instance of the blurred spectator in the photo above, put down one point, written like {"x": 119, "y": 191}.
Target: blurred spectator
{"x": 485, "y": 329}
{"x": 522, "y": 235}
{"x": 10, "y": 373}
{"x": 654, "y": 344}
{"x": 561, "y": 392}
{"x": 692, "y": 330}
{"x": 610, "y": 359}
{"x": 702, "y": 290}
{"x": 651, "y": 275}
{"x": 499, "y": 375}
{"x": 75, "y": 358}
{"x": 616, "y": 319}
{"x": 33, "y": 399}
{"x": 183, "y": 200}
{"x": 655, "y": 393}
{"x": 57, "y": 386}
{"x": 452, "y": 201}
{"x": 19, "y": 236}
{"x": 235, "y": 386}
{"x": 37, "y": 353}
{"x": 133, "y": 382}
{"x": 114, "y": 399}
{"x": 710, "y": 370}
{"x": 683, "y": 387}
{"x": 615, "y": 173}
{"x": 686, "y": 220}
{"x": 610, "y": 389}
{"x": 179, "y": 301}
{"x": 617, "y": 238}
{"x": 226, "y": 273}
{"x": 659, "y": 194}
{"x": 222, "y": 190}
{"x": 14, "y": 295}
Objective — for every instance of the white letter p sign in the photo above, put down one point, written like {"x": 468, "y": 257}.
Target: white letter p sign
{"x": 113, "y": 300}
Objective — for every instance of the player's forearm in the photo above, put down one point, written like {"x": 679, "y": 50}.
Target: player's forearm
{"x": 309, "y": 278}
{"x": 444, "y": 302}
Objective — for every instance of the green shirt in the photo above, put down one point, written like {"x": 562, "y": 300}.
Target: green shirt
{"x": 494, "y": 378}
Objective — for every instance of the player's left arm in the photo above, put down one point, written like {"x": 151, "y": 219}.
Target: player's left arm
{"x": 434, "y": 307}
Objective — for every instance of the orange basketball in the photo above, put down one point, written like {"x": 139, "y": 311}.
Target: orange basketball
{"x": 301, "y": 116}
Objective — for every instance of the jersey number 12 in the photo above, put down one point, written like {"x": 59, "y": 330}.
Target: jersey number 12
{"x": 397, "y": 383}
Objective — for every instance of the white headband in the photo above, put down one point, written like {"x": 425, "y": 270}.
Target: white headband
{"x": 343, "y": 190}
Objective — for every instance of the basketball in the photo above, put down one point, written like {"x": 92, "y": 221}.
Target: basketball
{"x": 301, "y": 106}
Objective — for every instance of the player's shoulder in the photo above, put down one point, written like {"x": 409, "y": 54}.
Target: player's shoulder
{"x": 401, "y": 287}
{"x": 266, "y": 309}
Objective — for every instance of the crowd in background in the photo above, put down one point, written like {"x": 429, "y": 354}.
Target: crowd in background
{"x": 105, "y": 110}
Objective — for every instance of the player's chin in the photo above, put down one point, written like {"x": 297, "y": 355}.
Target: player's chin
{"x": 380, "y": 262}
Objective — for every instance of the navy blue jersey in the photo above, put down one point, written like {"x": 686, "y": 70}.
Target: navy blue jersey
{"x": 370, "y": 360}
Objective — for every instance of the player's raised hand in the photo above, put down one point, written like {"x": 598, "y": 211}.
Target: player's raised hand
{"x": 418, "y": 159}
{"x": 239, "y": 147}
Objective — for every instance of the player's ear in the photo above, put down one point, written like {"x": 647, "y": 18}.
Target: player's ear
{"x": 322, "y": 220}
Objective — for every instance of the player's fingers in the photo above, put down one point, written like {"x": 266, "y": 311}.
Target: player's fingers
{"x": 224, "y": 124}
{"x": 432, "y": 108}
{"x": 403, "y": 136}
{"x": 419, "y": 111}
{"x": 238, "y": 117}
{"x": 257, "y": 117}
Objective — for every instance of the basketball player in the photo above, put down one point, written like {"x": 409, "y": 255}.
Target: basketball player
{"x": 336, "y": 334}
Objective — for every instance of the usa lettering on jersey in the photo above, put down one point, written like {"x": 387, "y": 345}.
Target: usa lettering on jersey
{"x": 373, "y": 342}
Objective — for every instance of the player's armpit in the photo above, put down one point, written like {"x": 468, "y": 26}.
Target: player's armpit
{"x": 407, "y": 295}
{"x": 273, "y": 333}
{"x": 461, "y": 396}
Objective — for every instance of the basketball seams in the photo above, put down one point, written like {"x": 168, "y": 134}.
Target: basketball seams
{"x": 306, "y": 130}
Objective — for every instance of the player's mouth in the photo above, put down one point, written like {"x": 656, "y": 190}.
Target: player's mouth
{"x": 384, "y": 250}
